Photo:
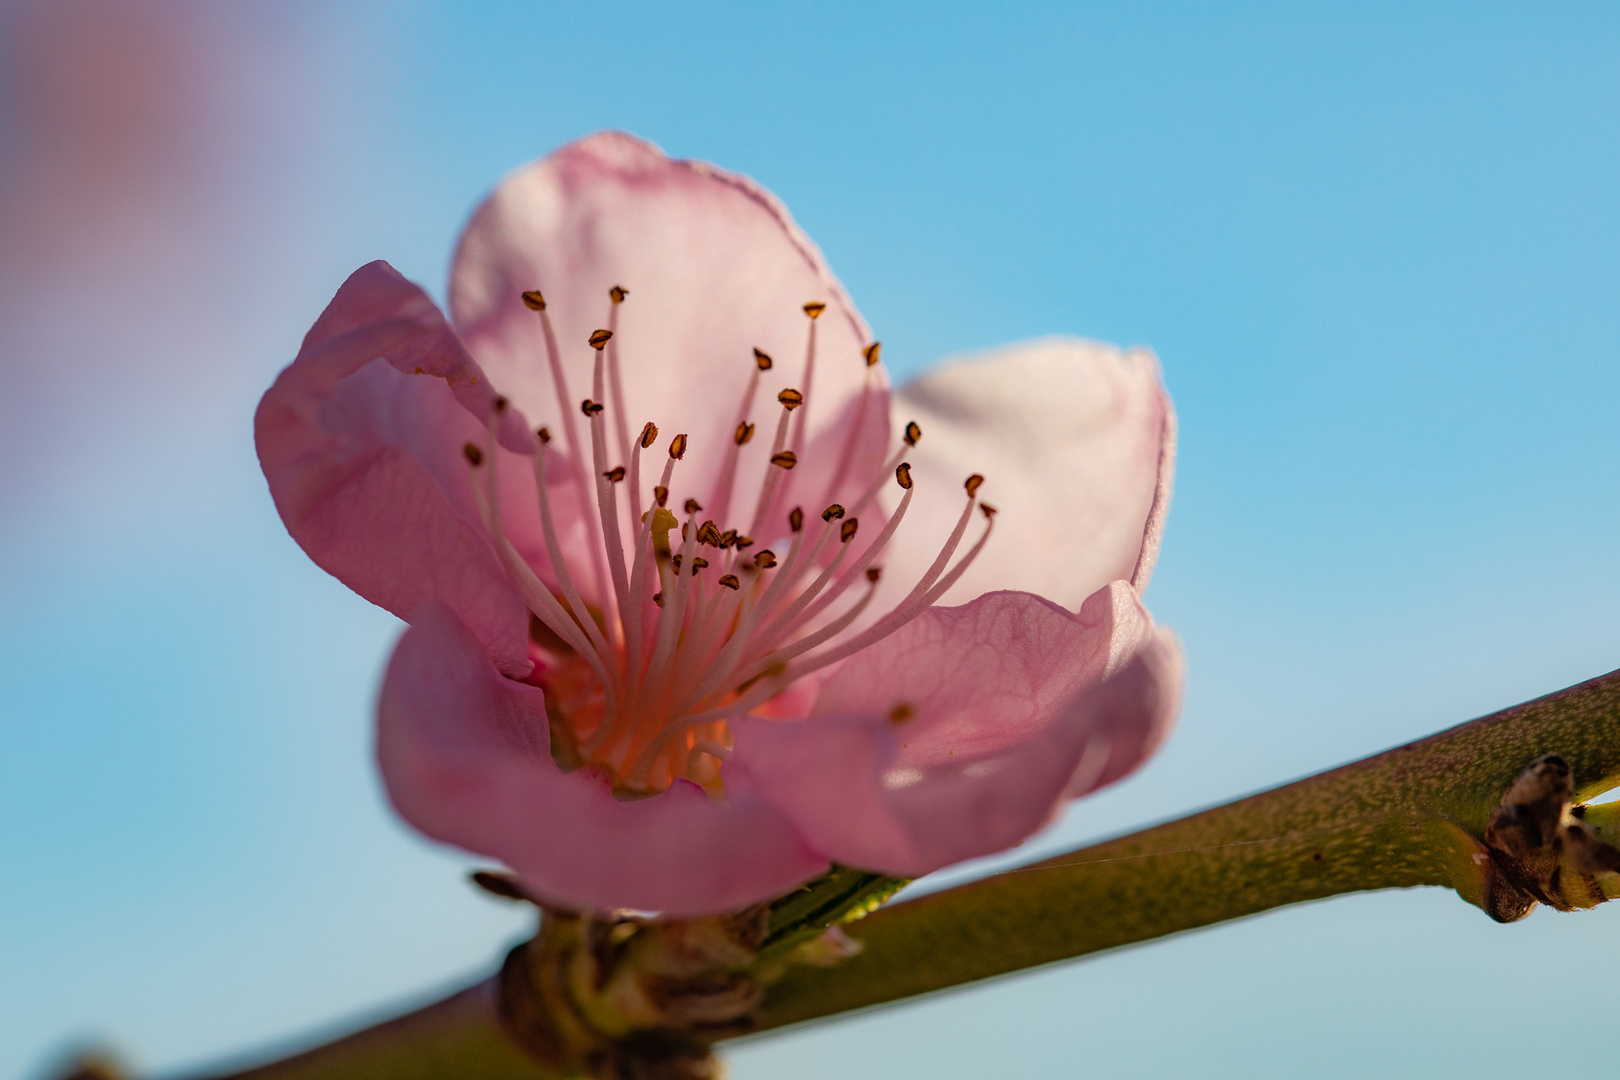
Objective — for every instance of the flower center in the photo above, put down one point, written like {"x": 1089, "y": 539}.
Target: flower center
{"x": 697, "y": 622}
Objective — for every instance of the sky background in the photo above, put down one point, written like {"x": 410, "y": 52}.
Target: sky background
{"x": 1377, "y": 251}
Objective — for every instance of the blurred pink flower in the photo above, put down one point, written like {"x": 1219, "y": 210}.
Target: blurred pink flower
{"x": 651, "y": 672}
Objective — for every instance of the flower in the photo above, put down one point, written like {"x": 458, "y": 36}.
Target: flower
{"x": 652, "y": 661}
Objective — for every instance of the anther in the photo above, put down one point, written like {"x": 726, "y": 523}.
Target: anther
{"x": 902, "y": 475}
{"x": 814, "y": 308}
{"x": 873, "y": 573}
{"x": 796, "y": 519}
{"x": 872, "y": 353}
{"x": 615, "y": 474}
{"x": 693, "y": 506}
{"x": 846, "y": 531}
{"x": 973, "y": 483}
{"x": 763, "y": 359}
{"x": 589, "y": 407}
{"x": 661, "y": 495}
{"x": 534, "y": 301}
{"x": 729, "y": 581}
{"x": 618, "y": 293}
{"x": 543, "y": 434}
{"x": 785, "y": 460}
{"x": 698, "y": 564}
{"x": 475, "y": 456}
{"x": 743, "y": 542}
{"x": 676, "y": 561}
{"x": 599, "y": 339}
{"x": 677, "y": 447}
{"x": 709, "y": 533}
{"x": 913, "y": 433}
{"x": 727, "y": 538}
{"x": 658, "y": 598}
{"x": 832, "y": 513}
{"x": 765, "y": 559}
{"x": 500, "y": 405}
{"x": 648, "y": 434}
{"x": 790, "y": 398}
{"x": 988, "y": 510}
{"x": 744, "y": 432}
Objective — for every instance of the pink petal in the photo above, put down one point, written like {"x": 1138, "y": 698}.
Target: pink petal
{"x": 465, "y": 756}
{"x": 360, "y": 439}
{"x": 1076, "y": 442}
{"x": 714, "y": 266}
{"x": 1009, "y": 705}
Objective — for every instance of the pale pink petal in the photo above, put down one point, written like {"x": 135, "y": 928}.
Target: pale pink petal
{"x": 465, "y": 756}
{"x": 960, "y": 735}
{"x": 1076, "y": 442}
{"x": 360, "y": 439}
{"x": 715, "y": 267}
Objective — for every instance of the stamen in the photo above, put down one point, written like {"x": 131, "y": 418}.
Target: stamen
{"x": 913, "y": 433}
{"x": 474, "y": 456}
{"x": 846, "y": 531}
{"x": 576, "y": 458}
{"x": 730, "y": 581}
{"x": 790, "y": 398}
{"x": 744, "y": 431}
{"x": 615, "y": 474}
{"x": 902, "y": 474}
{"x": 785, "y": 460}
{"x": 765, "y": 559}
{"x": 873, "y": 353}
{"x": 796, "y": 519}
{"x": 677, "y": 447}
{"x": 607, "y": 503}
{"x": 766, "y": 505}
{"x": 661, "y": 493}
{"x": 832, "y": 513}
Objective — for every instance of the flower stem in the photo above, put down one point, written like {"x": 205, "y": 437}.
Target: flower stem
{"x": 1414, "y": 815}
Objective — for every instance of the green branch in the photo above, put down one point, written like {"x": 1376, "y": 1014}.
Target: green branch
{"x": 1446, "y": 810}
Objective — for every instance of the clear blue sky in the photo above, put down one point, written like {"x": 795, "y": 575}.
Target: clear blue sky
{"x": 1377, "y": 250}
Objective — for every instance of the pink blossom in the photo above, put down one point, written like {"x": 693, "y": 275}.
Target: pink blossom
{"x": 651, "y": 661}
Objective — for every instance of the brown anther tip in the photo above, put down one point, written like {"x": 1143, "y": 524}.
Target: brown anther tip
{"x": 902, "y": 475}
{"x": 649, "y": 434}
{"x": 693, "y": 506}
{"x": 543, "y": 434}
{"x": 814, "y": 308}
{"x": 661, "y": 495}
{"x": 765, "y": 559}
{"x": 790, "y": 398}
{"x": 534, "y": 301}
{"x": 972, "y": 484}
{"x": 913, "y": 433}
{"x": 873, "y": 573}
{"x": 677, "y": 447}
{"x": 744, "y": 432}
{"x": 676, "y": 561}
{"x": 618, "y": 293}
{"x": 846, "y": 531}
{"x": 500, "y": 404}
{"x": 600, "y": 338}
{"x": 743, "y": 542}
{"x": 474, "y": 456}
{"x": 872, "y": 353}
{"x": 658, "y": 598}
{"x": 709, "y": 533}
{"x": 615, "y": 474}
{"x": 796, "y": 519}
{"x": 763, "y": 359}
{"x": 832, "y": 513}
{"x": 589, "y": 407}
{"x": 698, "y": 564}
{"x": 785, "y": 460}
{"x": 988, "y": 510}
{"x": 728, "y": 538}
{"x": 730, "y": 581}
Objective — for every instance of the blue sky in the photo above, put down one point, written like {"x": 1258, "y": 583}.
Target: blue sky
{"x": 1376, "y": 249}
